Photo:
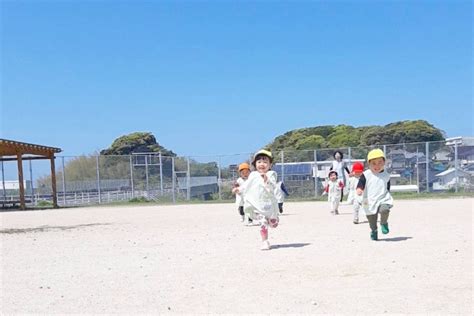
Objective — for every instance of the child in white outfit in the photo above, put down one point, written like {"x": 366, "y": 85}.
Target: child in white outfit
{"x": 339, "y": 166}
{"x": 260, "y": 202}
{"x": 357, "y": 170}
{"x": 244, "y": 172}
{"x": 280, "y": 193}
{"x": 373, "y": 190}
{"x": 334, "y": 189}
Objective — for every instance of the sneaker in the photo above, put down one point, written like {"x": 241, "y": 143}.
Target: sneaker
{"x": 356, "y": 221}
{"x": 336, "y": 212}
{"x": 374, "y": 235}
{"x": 265, "y": 245}
{"x": 385, "y": 229}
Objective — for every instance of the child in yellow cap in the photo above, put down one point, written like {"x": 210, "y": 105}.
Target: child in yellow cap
{"x": 244, "y": 172}
{"x": 259, "y": 195}
{"x": 373, "y": 191}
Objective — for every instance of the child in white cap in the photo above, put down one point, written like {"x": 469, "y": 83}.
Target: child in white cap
{"x": 260, "y": 202}
{"x": 374, "y": 191}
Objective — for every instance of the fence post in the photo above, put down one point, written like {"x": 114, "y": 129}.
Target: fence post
{"x": 427, "y": 145}
{"x": 456, "y": 165}
{"x": 417, "y": 171}
{"x": 173, "y": 175}
{"x": 219, "y": 179}
{"x": 161, "y": 175}
{"x": 64, "y": 182}
{"x": 349, "y": 154}
{"x": 3, "y": 184}
{"x": 188, "y": 181}
{"x": 131, "y": 176}
{"x": 32, "y": 185}
{"x": 98, "y": 178}
{"x": 282, "y": 156}
{"x": 146, "y": 176}
{"x": 315, "y": 173}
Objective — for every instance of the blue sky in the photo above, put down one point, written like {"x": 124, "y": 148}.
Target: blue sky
{"x": 223, "y": 77}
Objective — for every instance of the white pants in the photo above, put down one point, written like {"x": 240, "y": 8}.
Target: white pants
{"x": 334, "y": 203}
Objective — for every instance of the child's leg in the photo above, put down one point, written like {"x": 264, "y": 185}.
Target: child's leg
{"x": 372, "y": 221}
{"x": 384, "y": 210}
{"x": 332, "y": 203}
{"x": 336, "y": 207}
{"x": 241, "y": 210}
{"x": 280, "y": 207}
{"x": 356, "y": 208}
{"x": 262, "y": 221}
{"x": 264, "y": 232}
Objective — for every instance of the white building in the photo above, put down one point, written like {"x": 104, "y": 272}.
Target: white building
{"x": 447, "y": 179}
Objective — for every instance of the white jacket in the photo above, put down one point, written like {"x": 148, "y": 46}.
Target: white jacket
{"x": 259, "y": 197}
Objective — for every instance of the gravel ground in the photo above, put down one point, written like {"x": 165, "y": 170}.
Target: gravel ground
{"x": 201, "y": 259}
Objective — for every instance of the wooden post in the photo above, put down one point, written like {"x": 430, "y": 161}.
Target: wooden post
{"x": 53, "y": 182}
{"x": 20, "y": 180}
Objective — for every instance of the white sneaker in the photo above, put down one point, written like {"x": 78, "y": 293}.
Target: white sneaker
{"x": 265, "y": 245}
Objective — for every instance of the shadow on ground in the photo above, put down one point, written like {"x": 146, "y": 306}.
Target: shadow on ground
{"x": 47, "y": 228}
{"x": 297, "y": 245}
{"x": 396, "y": 239}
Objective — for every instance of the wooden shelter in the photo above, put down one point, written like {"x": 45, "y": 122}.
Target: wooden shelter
{"x": 12, "y": 150}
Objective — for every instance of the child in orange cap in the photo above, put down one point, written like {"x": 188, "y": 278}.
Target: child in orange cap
{"x": 244, "y": 172}
{"x": 259, "y": 195}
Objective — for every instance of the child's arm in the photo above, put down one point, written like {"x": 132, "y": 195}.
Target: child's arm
{"x": 283, "y": 188}
{"x": 348, "y": 171}
{"x": 235, "y": 188}
{"x": 326, "y": 189}
{"x": 361, "y": 185}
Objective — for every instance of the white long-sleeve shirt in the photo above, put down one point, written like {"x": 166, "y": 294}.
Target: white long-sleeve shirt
{"x": 239, "y": 196}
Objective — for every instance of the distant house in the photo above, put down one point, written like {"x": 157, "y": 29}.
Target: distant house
{"x": 442, "y": 155}
{"x": 399, "y": 159}
{"x": 447, "y": 179}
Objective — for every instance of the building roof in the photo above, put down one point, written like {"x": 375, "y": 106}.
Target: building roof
{"x": 446, "y": 172}
{"x": 13, "y": 148}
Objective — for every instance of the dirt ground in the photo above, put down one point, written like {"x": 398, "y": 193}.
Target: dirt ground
{"x": 201, "y": 259}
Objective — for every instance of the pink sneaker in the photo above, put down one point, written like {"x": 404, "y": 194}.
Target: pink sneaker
{"x": 274, "y": 222}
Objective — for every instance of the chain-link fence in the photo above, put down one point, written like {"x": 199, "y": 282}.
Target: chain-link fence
{"x": 415, "y": 167}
